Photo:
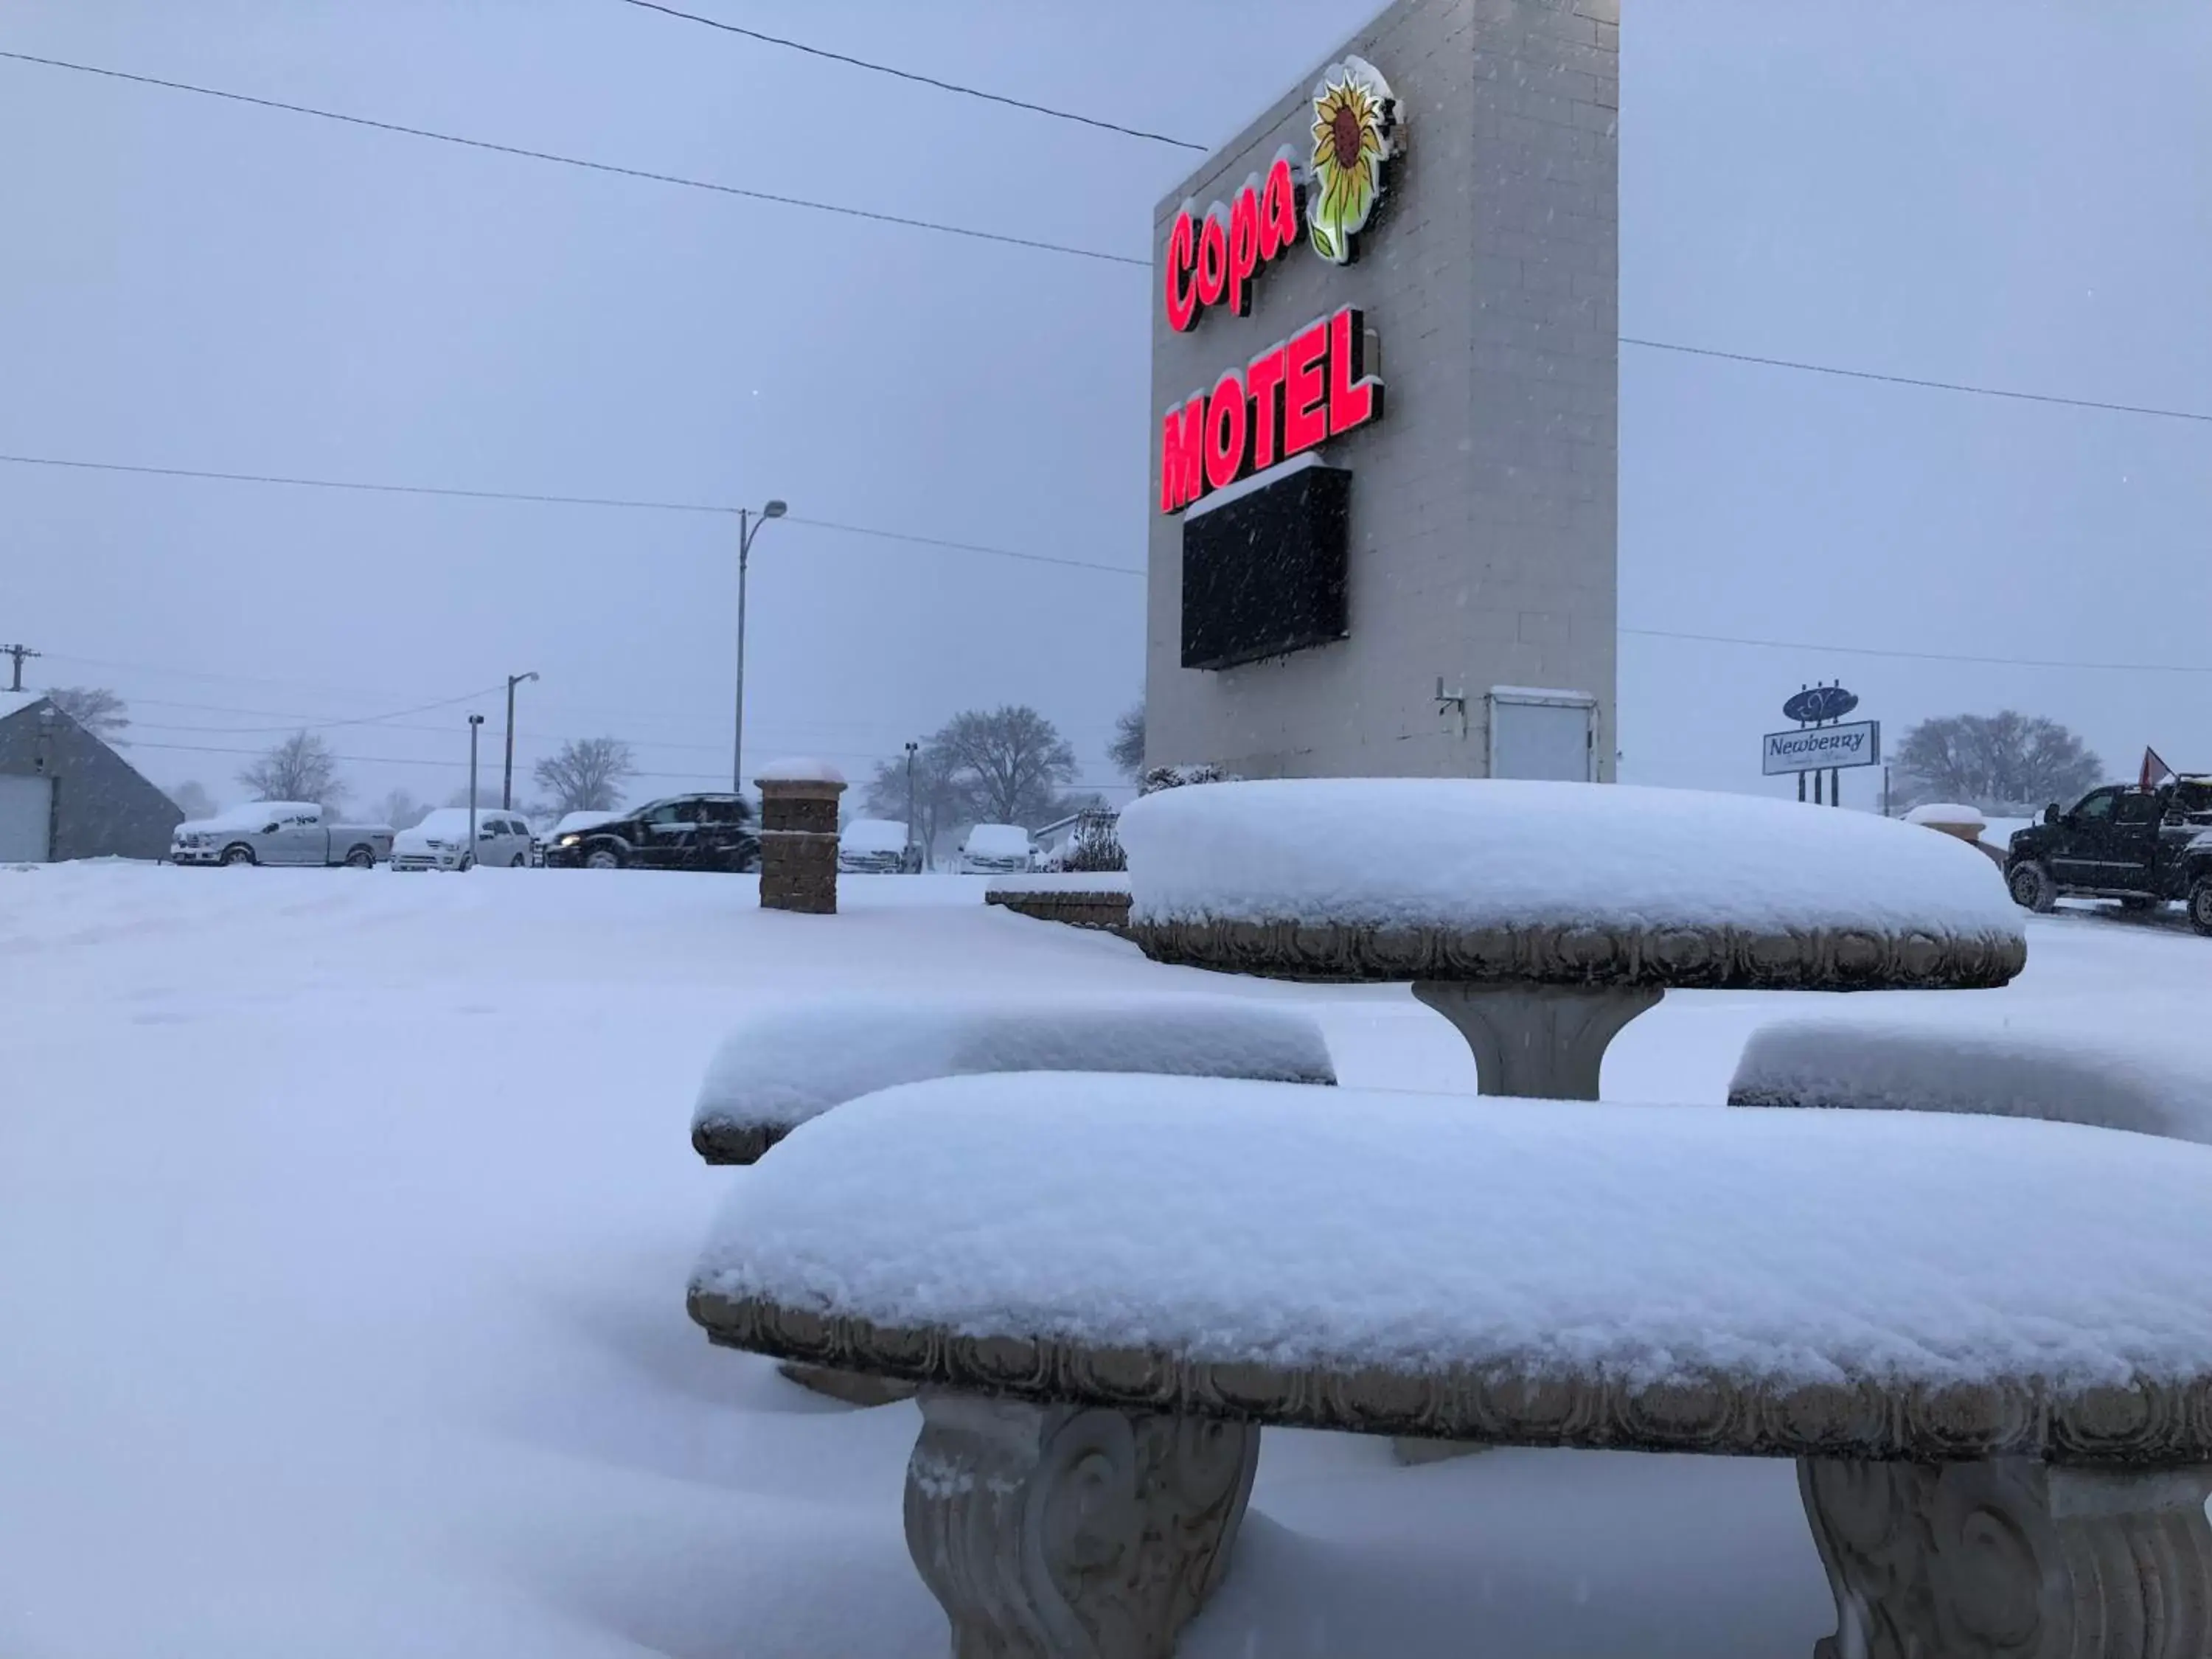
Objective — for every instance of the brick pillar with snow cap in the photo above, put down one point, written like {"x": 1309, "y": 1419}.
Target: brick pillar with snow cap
{"x": 799, "y": 837}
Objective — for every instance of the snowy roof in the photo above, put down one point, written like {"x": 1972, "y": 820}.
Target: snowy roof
{"x": 2082, "y": 1077}
{"x": 997, "y": 838}
{"x": 785, "y": 1065}
{"x": 799, "y": 771}
{"x": 15, "y": 702}
{"x": 1944, "y": 811}
{"x": 1462, "y": 854}
{"x": 1645, "y": 1244}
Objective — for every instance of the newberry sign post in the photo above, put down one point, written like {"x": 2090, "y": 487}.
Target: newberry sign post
{"x": 1385, "y": 357}
{"x": 1824, "y": 744}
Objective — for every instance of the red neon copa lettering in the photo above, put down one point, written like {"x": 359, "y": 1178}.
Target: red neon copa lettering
{"x": 1313, "y": 386}
{"x": 1214, "y": 260}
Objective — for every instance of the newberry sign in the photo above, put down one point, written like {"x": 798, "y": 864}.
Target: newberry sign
{"x": 1822, "y": 748}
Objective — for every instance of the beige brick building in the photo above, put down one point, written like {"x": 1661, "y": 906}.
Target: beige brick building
{"x": 1479, "y": 545}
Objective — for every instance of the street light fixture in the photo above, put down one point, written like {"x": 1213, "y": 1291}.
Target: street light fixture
{"x": 912, "y": 846}
{"x": 468, "y": 858}
{"x": 507, "y": 777}
{"x": 748, "y": 527}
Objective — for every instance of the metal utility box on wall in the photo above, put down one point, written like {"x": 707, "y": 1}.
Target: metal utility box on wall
{"x": 26, "y": 819}
{"x": 1550, "y": 735}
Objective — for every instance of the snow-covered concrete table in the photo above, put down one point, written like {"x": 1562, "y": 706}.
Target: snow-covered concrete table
{"x": 1997, "y": 1387}
{"x": 1541, "y": 918}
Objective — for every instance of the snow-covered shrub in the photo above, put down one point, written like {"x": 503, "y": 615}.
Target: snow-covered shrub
{"x": 1095, "y": 846}
{"x": 1175, "y": 777}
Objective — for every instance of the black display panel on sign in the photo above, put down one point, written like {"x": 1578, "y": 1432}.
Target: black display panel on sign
{"x": 1264, "y": 573}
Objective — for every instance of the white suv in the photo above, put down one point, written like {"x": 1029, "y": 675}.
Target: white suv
{"x": 440, "y": 841}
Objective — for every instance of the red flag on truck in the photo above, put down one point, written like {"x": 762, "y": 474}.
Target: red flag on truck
{"x": 2155, "y": 771}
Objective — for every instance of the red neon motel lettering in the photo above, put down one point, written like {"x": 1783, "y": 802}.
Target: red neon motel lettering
{"x": 1313, "y": 387}
{"x": 1214, "y": 260}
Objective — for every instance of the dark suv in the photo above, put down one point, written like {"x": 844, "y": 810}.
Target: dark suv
{"x": 678, "y": 832}
{"x": 2140, "y": 847}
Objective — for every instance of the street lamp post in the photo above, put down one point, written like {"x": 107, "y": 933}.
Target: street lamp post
{"x": 910, "y": 750}
{"x": 748, "y": 527}
{"x": 468, "y": 853}
{"x": 507, "y": 776}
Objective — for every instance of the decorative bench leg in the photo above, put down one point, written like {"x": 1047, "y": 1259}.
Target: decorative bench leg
{"x": 1070, "y": 1532}
{"x": 1540, "y": 1041}
{"x": 2012, "y": 1558}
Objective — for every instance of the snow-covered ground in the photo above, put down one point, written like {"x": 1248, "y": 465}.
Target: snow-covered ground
{"x": 344, "y": 1224}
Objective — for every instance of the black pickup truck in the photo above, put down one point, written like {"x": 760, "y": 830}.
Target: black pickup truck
{"x": 2140, "y": 847}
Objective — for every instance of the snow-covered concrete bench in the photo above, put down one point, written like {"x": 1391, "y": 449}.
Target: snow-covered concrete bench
{"x": 1541, "y": 918}
{"x": 782, "y": 1065}
{"x": 1988, "y": 1343}
{"x": 1893, "y": 1066}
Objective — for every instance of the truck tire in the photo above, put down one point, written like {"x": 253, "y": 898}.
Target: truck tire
{"x": 468, "y": 861}
{"x": 519, "y": 861}
{"x": 361, "y": 858}
{"x": 603, "y": 858}
{"x": 2032, "y": 888}
{"x": 239, "y": 853}
{"x": 2200, "y": 905}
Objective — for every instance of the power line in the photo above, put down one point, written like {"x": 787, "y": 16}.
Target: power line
{"x": 391, "y": 720}
{"x": 922, "y": 79}
{"x": 628, "y": 505}
{"x": 964, "y": 547}
{"x": 368, "y": 488}
{"x": 1036, "y": 244}
{"x": 578, "y": 162}
{"x": 1924, "y": 384}
{"x": 1923, "y": 656}
{"x": 1011, "y": 553}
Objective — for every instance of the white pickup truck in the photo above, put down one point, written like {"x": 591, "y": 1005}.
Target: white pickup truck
{"x": 279, "y": 832}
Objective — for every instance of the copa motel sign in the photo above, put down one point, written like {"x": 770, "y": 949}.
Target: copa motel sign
{"x": 1317, "y": 384}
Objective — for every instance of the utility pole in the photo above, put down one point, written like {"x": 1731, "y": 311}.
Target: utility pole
{"x": 469, "y": 857}
{"x": 507, "y": 777}
{"x": 18, "y": 653}
{"x": 911, "y": 750}
{"x": 748, "y": 527}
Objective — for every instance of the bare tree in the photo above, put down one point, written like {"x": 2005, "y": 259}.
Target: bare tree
{"x": 193, "y": 801}
{"x": 301, "y": 768}
{"x": 400, "y": 810}
{"x": 587, "y": 774}
{"x": 1010, "y": 765}
{"x": 937, "y": 802}
{"x": 1127, "y": 752}
{"x": 94, "y": 707}
{"x": 2007, "y": 765}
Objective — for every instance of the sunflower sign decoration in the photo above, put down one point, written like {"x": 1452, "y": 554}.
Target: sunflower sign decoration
{"x": 1355, "y": 129}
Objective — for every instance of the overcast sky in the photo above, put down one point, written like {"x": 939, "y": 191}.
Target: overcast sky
{"x": 2018, "y": 194}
